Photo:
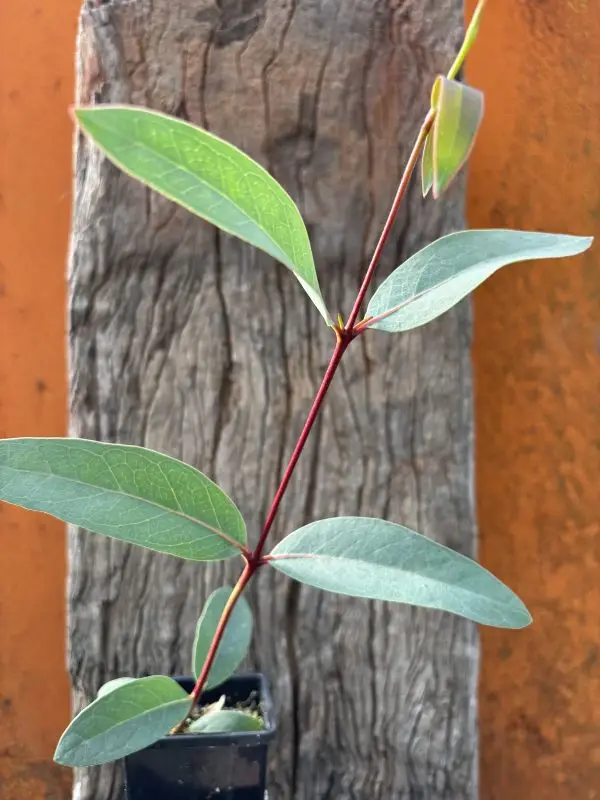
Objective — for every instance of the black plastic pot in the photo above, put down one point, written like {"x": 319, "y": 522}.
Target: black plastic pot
{"x": 219, "y": 766}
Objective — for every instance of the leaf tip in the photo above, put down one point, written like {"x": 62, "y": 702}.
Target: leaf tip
{"x": 526, "y": 618}
{"x": 61, "y": 753}
{"x": 520, "y": 617}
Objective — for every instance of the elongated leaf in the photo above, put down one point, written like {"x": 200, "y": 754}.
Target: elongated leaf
{"x": 235, "y": 642}
{"x": 459, "y": 114}
{"x": 209, "y": 177}
{"x": 125, "y": 720}
{"x": 227, "y": 721}
{"x": 372, "y": 558}
{"x": 110, "y": 686}
{"x": 126, "y": 492}
{"x": 439, "y": 276}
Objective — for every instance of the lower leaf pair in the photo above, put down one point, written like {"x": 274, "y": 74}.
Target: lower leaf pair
{"x": 155, "y": 501}
{"x": 130, "y": 714}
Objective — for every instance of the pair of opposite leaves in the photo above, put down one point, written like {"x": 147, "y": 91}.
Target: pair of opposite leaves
{"x": 132, "y": 713}
{"x": 219, "y": 183}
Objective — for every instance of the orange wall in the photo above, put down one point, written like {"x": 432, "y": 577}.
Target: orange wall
{"x": 537, "y": 368}
{"x": 36, "y": 77}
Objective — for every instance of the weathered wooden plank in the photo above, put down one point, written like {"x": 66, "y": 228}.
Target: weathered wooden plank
{"x": 187, "y": 341}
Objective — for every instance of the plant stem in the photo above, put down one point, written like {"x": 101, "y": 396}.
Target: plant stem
{"x": 470, "y": 36}
{"x": 236, "y": 592}
{"x": 340, "y": 349}
{"x": 254, "y": 559}
{"x": 348, "y": 332}
{"x": 403, "y": 186}
{"x": 345, "y": 335}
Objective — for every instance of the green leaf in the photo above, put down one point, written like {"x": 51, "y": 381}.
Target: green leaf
{"x": 126, "y": 492}
{"x": 439, "y": 276}
{"x": 210, "y": 178}
{"x": 110, "y": 686}
{"x": 365, "y": 557}
{"x": 459, "y": 113}
{"x": 127, "y": 719}
{"x": 235, "y": 642}
{"x": 227, "y": 721}
{"x": 427, "y": 166}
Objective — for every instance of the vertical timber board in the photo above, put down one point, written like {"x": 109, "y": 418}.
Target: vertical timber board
{"x": 189, "y": 342}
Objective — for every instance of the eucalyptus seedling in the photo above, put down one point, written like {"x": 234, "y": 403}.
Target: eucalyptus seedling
{"x": 154, "y": 501}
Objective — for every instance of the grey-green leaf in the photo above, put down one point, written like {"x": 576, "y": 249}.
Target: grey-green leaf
{"x": 130, "y": 493}
{"x": 436, "y": 278}
{"x": 235, "y": 642}
{"x": 209, "y": 177}
{"x": 371, "y": 558}
{"x": 227, "y": 721}
{"x": 110, "y": 686}
{"x": 127, "y": 719}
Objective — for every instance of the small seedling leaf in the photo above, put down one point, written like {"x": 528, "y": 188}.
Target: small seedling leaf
{"x": 227, "y": 721}
{"x": 436, "y": 278}
{"x": 126, "y": 492}
{"x": 128, "y": 718}
{"x": 236, "y": 638}
{"x": 371, "y": 558}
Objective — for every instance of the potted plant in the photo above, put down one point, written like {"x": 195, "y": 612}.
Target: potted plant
{"x": 207, "y": 736}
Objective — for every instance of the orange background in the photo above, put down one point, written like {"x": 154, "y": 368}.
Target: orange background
{"x": 36, "y": 80}
{"x": 537, "y": 371}
{"x": 537, "y": 368}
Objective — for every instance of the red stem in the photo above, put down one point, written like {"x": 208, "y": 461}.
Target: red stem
{"x": 244, "y": 578}
{"x": 255, "y": 560}
{"x": 237, "y": 590}
{"x": 340, "y": 349}
{"x": 408, "y": 171}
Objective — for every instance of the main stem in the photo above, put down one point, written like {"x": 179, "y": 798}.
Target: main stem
{"x": 345, "y": 335}
{"x": 237, "y": 590}
{"x": 340, "y": 348}
{"x": 402, "y": 187}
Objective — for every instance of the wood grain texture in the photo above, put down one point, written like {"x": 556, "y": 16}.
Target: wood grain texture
{"x": 189, "y": 342}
